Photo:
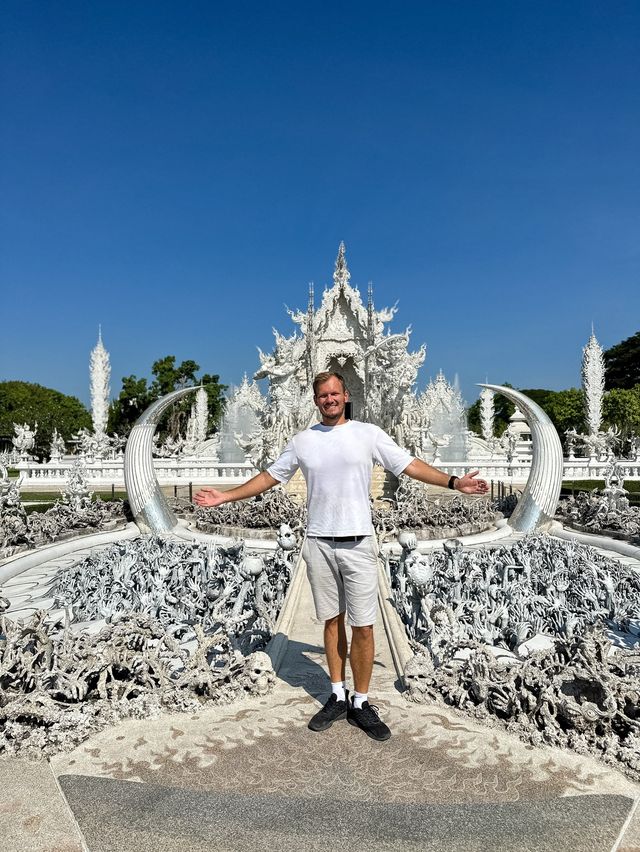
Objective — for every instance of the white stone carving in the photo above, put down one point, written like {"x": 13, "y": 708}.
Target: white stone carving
{"x": 24, "y": 440}
{"x": 487, "y": 413}
{"x": 442, "y": 413}
{"x": 100, "y": 372}
{"x": 57, "y": 447}
{"x": 343, "y": 335}
{"x": 77, "y": 494}
{"x": 593, "y": 383}
{"x": 201, "y": 412}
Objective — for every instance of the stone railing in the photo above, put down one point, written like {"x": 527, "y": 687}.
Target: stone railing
{"x": 209, "y": 472}
{"x": 518, "y": 470}
{"x": 168, "y": 471}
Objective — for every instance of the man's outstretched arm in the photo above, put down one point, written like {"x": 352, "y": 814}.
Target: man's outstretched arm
{"x": 467, "y": 484}
{"x": 210, "y": 497}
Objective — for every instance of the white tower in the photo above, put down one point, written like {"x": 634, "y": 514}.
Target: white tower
{"x": 100, "y": 373}
{"x": 593, "y": 383}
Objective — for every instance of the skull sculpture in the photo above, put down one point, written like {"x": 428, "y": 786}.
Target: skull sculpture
{"x": 286, "y": 537}
{"x": 418, "y": 678}
{"x": 259, "y": 675}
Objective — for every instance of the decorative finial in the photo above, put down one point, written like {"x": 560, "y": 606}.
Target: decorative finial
{"x": 341, "y": 274}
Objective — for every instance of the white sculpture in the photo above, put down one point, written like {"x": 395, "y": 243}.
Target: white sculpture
{"x": 240, "y": 430}
{"x": 201, "y": 412}
{"x": 593, "y": 383}
{"x": 92, "y": 445}
{"x": 77, "y": 494}
{"x": 487, "y": 413}
{"x": 170, "y": 448}
{"x": 100, "y": 372}
{"x": 57, "y": 447}
{"x": 442, "y": 411}
{"x": 24, "y": 439}
{"x": 595, "y": 443}
{"x": 516, "y": 635}
{"x": 349, "y": 337}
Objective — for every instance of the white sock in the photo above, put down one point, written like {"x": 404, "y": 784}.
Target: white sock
{"x": 358, "y": 699}
{"x": 338, "y": 690}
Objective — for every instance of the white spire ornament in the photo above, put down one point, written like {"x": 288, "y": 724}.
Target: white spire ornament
{"x": 201, "y": 414}
{"x": 341, "y": 274}
{"x": 100, "y": 373}
{"x": 487, "y": 414}
{"x": 593, "y": 383}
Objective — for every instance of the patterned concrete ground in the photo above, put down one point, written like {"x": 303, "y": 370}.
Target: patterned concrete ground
{"x": 442, "y": 781}
{"x": 261, "y": 750}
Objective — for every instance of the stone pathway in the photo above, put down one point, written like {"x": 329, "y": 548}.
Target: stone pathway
{"x": 252, "y": 776}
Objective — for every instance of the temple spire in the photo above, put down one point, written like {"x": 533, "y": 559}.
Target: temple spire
{"x": 100, "y": 373}
{"x": 593, "y": 373}
{"x": 341, "y": 274}
{"x": 311, "y": 353}
{"x": 371, "y": 322}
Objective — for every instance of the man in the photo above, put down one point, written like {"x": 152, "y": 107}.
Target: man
{"x": 336, "y": 457}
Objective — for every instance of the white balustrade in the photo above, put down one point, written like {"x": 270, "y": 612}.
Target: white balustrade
{"x": 207, "y": 471}
{"x": 168, "y": 471}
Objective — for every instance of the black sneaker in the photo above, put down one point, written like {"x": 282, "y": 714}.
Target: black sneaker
{"x": 367, "y": 718}
{"x": 330, "y": 713}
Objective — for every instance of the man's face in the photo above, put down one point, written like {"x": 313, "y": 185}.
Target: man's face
{"x": 330, "y": 399}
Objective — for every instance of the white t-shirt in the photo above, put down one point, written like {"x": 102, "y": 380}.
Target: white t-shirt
{"x": 336, "y": 462}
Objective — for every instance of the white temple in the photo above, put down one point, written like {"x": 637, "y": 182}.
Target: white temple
{"x": 349, "y": 337}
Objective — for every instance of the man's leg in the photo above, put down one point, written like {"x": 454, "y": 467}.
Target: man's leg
{"x": 328, "y": 596}
{"x": 361, "y": 714}
{"x": 361, "y": 657}
{"x": 359, "y": 565}
{"x": 335, "y": 647}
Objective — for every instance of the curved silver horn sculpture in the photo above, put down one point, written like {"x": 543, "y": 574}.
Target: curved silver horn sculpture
{"x": 537, "y": 506}
{"x": 148, "y": 504}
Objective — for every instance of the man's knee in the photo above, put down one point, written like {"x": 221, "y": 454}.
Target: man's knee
{"x": 363, "y": 632}
{"x": 332, "y": 622}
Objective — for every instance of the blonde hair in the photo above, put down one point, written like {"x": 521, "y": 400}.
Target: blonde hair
{"x": 321, "y": 378}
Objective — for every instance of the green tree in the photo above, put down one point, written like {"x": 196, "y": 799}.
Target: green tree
{"x": 132, "y": 400}
{"x": 564, "y": 408}
{"x": 473, "y": 417}
{"x": 621, "y": 408}
{"x": 215, "y": 396}
{"x": 24, "y": 402}
{"x": 622, "y": 363}
{"x": 136, "y": 395}
{"x": 168, "y": 377}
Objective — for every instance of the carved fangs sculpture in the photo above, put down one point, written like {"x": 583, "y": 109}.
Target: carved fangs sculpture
{"x": 148, "y": 504}
{"x": 537, "y": 506}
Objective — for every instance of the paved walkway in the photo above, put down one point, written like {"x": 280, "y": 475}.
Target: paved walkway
{"x": 252, "y": 776}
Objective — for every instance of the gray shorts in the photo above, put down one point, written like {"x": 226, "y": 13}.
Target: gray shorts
{"x": 343, "y": 576}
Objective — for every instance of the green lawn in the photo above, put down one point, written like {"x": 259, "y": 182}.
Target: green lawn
{"x": 573, "y": 486}
{"x": 52, "y": 496}
{"x": 46, "y": 499}
{"x": 632, "y": 486}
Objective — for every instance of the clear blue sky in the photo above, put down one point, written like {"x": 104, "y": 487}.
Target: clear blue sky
{"x": 180, "y": 171}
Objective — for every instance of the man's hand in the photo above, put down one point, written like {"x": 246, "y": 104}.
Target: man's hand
{"x": 254, "y": 486}
{"x": 468, "y": 484}
{"x": 209, "y": 497}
